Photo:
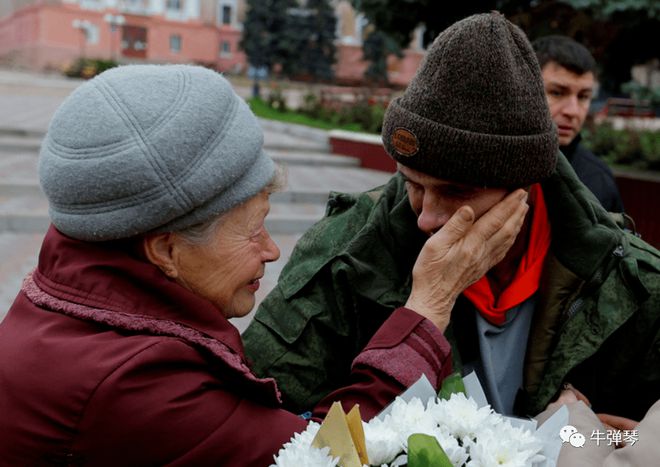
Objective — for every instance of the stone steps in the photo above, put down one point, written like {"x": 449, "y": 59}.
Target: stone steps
{"x": 20, "y": 143}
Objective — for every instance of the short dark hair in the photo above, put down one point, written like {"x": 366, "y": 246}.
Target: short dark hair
{"x": 565, "y": 52}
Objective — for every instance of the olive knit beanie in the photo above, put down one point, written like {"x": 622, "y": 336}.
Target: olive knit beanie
{"x": 475, "y": 112}
{"x": 150, "y": 148}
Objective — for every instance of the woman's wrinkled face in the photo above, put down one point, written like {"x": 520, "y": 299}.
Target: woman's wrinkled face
{"x": 226, "y": 270}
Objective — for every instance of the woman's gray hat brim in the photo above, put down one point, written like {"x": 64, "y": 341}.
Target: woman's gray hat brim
{"x": 260, "y": 175}
{"x": 147, "y": 148}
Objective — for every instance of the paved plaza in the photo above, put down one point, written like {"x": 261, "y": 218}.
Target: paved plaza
{"x": 27, "y": 103}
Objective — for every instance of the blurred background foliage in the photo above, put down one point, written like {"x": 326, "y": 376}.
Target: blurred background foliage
{"x": 291, "y": 41}
{"x": 620, "y": 33}
{"x": 637, "y": 149}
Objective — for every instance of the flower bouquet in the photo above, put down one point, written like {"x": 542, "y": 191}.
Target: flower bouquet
{"x": 420, "y": 429}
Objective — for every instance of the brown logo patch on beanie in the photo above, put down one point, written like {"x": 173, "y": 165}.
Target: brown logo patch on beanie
{"x": 405, "y": 142}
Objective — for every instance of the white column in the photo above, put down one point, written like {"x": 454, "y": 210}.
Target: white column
{"x": 157, "y": 7}
{"x": 191, "y": 9}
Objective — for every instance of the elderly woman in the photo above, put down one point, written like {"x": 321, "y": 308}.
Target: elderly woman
{"x": 118, "y": 349}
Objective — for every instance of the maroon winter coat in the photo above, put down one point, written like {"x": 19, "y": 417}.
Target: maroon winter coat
{"x": 105, "y": 361}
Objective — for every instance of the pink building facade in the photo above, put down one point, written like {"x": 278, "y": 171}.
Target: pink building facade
{"x": 52, "y": 34}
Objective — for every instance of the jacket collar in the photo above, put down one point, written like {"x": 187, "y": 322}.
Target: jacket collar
{"x": 584, "y": 236}
{"x": 115, "y": 276}
{"x": 569, "y": 150}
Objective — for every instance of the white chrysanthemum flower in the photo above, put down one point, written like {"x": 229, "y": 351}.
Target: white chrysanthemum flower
{"x": 456, "y": 453}
{"x": 525, "y": 439}
{"x": 410, "y": 418}
{"x": 461, "y": 416}
{"x": 298, "y": 455}
{"x": 496, "y": 448}
{"x": 383, "y": 442}
{"x": 299, "y": 451}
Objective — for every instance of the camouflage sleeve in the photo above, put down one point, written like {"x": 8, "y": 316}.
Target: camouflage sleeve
{"x": 307, "y": 341}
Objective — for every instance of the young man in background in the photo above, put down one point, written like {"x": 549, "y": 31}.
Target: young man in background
{"x": 569, "y": 77}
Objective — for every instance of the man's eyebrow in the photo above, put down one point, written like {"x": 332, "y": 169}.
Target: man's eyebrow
{"x": 558, "y": 85}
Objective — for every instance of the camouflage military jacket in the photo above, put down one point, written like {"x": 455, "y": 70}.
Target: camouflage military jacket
{"x": 597, "y": 322}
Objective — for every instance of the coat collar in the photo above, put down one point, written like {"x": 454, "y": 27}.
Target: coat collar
{"x": 584, "y": 236}
{"x": 115, "y": 276}
{"x": 111, "y": 283}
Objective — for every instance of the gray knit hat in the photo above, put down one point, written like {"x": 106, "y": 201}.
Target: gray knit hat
{"x": 475, "y": 112}
{"x": 150, "y": 148}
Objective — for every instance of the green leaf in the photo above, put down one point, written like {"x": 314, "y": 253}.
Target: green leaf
{"x": 450, "y": 385}
{"x": 425, "y": 451}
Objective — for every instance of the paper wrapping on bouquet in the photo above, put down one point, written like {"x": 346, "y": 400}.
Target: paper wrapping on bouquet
{"x": 344, "y": 435}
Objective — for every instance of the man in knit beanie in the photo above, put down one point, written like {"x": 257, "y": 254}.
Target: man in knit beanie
{"x": 574, "y": 300}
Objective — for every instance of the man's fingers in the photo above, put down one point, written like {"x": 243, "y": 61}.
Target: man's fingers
{"x": 507, "y": 210}
{"x": 501, "y": 241}
{"x": 457, "y": 225}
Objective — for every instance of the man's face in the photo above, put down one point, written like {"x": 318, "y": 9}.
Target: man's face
{"x": 569, "y": 96}
{"x": 435, "y": 200}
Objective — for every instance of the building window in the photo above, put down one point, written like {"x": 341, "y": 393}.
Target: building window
{"x": 226, "y": 14}
{"x": 225, "y": 49}
{"x": 174, "y": 5}
{"x": 92, "y": 34}
{"x": 134, "y": 41}
{"x": 175, "y": 43}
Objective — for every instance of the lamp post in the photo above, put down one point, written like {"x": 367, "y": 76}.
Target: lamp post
{"x": 83, "y": 25}
{"x": 114, "y": 21}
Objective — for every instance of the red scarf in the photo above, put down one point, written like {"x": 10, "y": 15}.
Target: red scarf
{"x": 526, "y": 281}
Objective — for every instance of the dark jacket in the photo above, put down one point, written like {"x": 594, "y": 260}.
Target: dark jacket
{"x": 595, "y": 174}
{"x": 104, "y": 361}
{"x": 596, "y": 324}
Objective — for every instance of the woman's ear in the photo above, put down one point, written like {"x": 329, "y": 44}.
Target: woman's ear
{"x": 158, "y": 248}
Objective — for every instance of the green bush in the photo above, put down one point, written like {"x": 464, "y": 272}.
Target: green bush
{"x": 311, "y": 105}
{"x": 366, "y": 115}
{"x": 88, "y": 67}
{"x": 638, "y": 149}
{"x": 649, "y": 143}
{"x": 276, "y": 100}
{"x": 362, "y": 115}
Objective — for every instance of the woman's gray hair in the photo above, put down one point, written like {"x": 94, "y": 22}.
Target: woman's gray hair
{"x": 201, "y": 234}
